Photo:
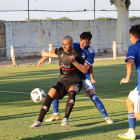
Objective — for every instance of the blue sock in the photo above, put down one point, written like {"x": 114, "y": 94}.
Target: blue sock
{"x": 131, "y": 120}
{"x": 55, "y": 105}
{"x": 99, "y": 105}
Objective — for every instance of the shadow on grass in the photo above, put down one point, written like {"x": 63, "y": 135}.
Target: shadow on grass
{"x": 83, "y": 132}
{"x": 24, "y": 115}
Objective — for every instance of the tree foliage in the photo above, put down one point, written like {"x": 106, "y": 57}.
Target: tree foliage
{"x": 49, "y": 18}
{"x": 104, "y": 18}
{"x": 133, "y": 17}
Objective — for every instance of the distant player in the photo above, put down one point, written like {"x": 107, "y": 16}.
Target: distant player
{"x": 133, "y": 100}
{"x": 87, "y": 77}
{"x": 69, "y": 80}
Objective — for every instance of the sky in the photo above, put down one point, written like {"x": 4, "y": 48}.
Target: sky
{"x": 7, "y": 7}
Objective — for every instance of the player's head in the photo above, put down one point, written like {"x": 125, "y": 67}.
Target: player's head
{"x": 85, "y": 39}
{"x": 67, "y": 43}
{"x": 135, "y": 33}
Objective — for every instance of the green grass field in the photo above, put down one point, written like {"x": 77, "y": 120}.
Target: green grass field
{"x": 18, "y": 111}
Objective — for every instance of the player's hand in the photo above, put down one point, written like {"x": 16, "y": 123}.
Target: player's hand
{"x": 93, "y": 81}
{"x": 124, "y": 80}
{"x": 43, "y": 53}
{"x": 40, "y": 63}
{"x": 72, "y": 58}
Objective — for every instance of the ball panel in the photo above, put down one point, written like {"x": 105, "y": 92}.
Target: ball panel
{"x": 37, "y": 95}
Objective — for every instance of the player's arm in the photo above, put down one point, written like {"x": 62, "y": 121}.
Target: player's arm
{"x": 129, "y": 67}
{"x": 41, "y": 61}
{"x": 48, "y": 54}
{"x": 91, "y": 75}
{"x": 83, "y": 68}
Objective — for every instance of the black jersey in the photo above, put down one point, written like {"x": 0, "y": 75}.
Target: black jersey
{"x": 68, "y": 72}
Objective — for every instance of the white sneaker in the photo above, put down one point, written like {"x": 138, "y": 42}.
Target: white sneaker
{"x": 36, "y": 124}
{"x": 108, "y": 120}
{"x": 129, "y": 135}
{"x": 65, "y": 122}
{"x": 53, "y": 118}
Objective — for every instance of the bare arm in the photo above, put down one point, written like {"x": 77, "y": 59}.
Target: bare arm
{"x": 48, "y": 54}
{"x": 83, "y": 68}
{"x": 129, "y": 67}
{"x": 91, "y": 75}
{"x": 41, "y": 61}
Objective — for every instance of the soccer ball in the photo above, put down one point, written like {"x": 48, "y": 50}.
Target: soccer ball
{"x": 37, "y": 95}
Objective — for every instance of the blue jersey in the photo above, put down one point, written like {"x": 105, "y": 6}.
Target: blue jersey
{"x": 87, "y": 53}
{"x": 134, "y": 53}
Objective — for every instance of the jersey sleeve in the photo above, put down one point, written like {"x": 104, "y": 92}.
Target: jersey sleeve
{"x": 130, "y": 54}
{"x": 76, "y": 46}
{"x": 57, "y": 51}
{"x": 90, "y": 58}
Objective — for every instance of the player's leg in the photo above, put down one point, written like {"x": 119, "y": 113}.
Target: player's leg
{"x": 132, "y": 103}
{"x": 52, "y": 95}
{"x": 55, "y": 116}
{"x": 73, "y": 90}
{"x": 62, "y": 92}
{"x": 90, "y": 90}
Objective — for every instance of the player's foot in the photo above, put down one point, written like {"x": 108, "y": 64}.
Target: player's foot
{"x": 36, "y": 124}
{"x": 53, "y": 118}
{"x": 130, "y": 135}
{"x": 65, "y": 122}
{"x": 108, "y": 120}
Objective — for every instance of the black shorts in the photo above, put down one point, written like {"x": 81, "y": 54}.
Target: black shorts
{"x": 63, "y": 89}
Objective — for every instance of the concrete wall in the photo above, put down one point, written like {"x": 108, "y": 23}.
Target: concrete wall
{"x": 31, "y": 38}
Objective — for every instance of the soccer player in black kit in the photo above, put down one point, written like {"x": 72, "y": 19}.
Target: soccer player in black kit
{"x": 69, "y": 80}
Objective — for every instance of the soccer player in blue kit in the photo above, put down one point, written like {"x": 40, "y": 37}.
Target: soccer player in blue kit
{"x": 133, "y": 100}
{"x": 87, "y": 78}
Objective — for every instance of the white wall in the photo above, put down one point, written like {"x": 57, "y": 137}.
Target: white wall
{"x": 38, "y": 34}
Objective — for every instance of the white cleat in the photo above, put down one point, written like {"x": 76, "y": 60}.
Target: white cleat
{"x": 36, "y": 124}
{"x": 108, "y": 120}
{"x": 53, "y": 118}
{"x": 65, "y": 122}
{"x": 127, "y": 136}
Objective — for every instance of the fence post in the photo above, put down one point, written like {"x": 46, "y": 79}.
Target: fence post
{"x": 50, "y": 48}
{"x": 13, "y": 55}
{"x": 114, "y": 49}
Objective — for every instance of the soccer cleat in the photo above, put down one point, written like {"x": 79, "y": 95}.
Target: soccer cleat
{"x": 128, "y": 135}
{"x": 53, "y": 118}
{"x": 36, "y": 124}
{"x": 108, "y": 120}
{"x": 65, "y": 122}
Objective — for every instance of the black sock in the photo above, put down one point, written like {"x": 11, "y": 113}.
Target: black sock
{"x": 45, "y": 108}
{"x": 70, "y": 103}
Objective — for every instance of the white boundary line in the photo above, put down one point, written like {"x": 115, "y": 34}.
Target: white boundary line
{"x": 64, "y": 97}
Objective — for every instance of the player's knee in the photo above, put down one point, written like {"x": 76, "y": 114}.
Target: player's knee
{"x": 72, "y": 95}
{"x": 94, "y": 98}
{"x": 137, "y": 115}
{"x": 128, "y": 102}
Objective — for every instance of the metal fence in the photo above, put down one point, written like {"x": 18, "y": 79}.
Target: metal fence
{"x": 22, "y": 10}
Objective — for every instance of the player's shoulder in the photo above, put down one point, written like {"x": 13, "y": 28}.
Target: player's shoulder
{"x": 90, "y": 50}
{"x": 76, "y": 45}
{"x": 76, "y": 51}
{"x": 59, "y": 49}
{"x": 132, "y": 47}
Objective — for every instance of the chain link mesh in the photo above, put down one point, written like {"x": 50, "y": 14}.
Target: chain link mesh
{"x": 21, "y": 10}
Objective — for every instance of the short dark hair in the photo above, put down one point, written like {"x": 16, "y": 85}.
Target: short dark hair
{"x": 86, "y": 35}
{"x": 135, "y": 30}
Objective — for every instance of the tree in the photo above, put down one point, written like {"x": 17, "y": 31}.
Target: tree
{"x": 63, "y": 18}
{"x": 49, "y": 18}
{"x": 122, "y": 31}
{"x": 133, "y": 17}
